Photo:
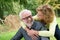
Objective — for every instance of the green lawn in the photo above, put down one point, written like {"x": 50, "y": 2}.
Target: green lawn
{"x": 6, "y": 35}
{"x": 58, "y": 21}
{"x": 9, "y": 35}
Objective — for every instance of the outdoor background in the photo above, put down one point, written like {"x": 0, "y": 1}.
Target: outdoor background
{"x": 9, "y": 14}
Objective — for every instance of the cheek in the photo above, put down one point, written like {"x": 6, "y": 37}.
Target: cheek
{"x": 41, "y": 17}
{"x": 24, "y": 21}
{"x": 31, "y": 19}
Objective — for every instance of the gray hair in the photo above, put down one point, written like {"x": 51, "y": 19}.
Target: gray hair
{"x": 23, "y": 11}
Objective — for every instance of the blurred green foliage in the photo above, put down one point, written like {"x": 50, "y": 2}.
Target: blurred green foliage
{"x": 15, "y": 6}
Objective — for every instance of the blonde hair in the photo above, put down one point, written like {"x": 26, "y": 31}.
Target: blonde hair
{"x": 48, "y": 13}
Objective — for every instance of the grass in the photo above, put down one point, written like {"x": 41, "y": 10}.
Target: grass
{"x": 9, "y": 35}
{"x": 58, "y": 21}
{"x": 6, "y": 35}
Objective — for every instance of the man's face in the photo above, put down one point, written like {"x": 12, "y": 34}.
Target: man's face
{"x": 27, "y": 19}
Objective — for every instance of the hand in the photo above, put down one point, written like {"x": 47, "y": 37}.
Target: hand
{"x": 32, "y": 32}
{"x": 27, "y": 30}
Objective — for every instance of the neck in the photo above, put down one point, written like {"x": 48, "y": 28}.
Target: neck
{"x": 42, "y": 21}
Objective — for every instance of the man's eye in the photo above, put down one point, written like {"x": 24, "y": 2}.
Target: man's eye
{"x": 23, "y": 18}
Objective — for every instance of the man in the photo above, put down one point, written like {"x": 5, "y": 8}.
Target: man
{"x": 31, "y": 25}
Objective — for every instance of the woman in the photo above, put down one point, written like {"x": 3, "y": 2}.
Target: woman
{"x": 46, "y": 15}
{"x": 50, "y": 20}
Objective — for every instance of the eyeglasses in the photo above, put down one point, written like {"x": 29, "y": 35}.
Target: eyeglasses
{"x": 26, "y": 17}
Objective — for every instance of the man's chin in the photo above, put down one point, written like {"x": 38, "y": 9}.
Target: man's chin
{"x": 29, "y": 24}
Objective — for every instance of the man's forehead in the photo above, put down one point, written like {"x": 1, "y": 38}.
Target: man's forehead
{"x": 26, "y": 14}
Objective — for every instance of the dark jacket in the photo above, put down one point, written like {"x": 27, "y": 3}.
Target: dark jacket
{"x": 57, "y": 32}
{"x": 22, "y": 33}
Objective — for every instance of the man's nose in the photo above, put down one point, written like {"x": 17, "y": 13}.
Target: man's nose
{"x": 29, "y": 19}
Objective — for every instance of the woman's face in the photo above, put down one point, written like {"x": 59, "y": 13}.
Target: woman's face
{"x": 40, "y": 15}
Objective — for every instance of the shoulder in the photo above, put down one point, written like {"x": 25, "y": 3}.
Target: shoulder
{"x": 21, "y": 28}
{"x": 54, "y": 22}
{"x": 38, "y": 23}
